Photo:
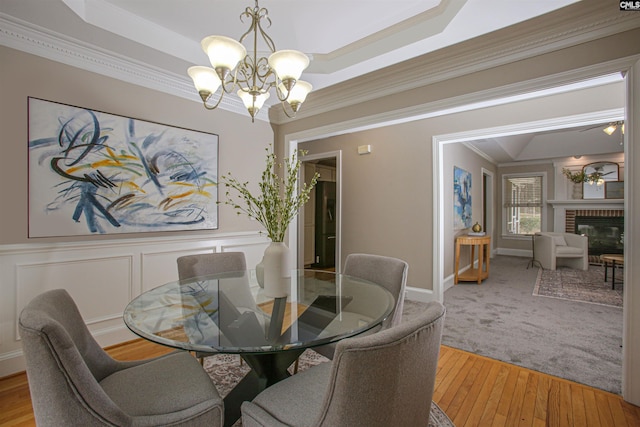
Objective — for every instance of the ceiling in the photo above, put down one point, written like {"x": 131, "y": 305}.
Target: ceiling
{"x": 344, "y": 38}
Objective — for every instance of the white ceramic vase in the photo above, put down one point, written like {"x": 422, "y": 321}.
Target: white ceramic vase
{"x": 577, "y": 191}
{"x": 277, "y": 270}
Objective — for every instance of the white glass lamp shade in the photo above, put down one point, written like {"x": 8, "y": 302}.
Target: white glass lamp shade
{"x": 248, "y": 101}
{"x": 204, "y": 78}
{"x": 299, "y": 92}
{"x": 288, "y": 64}
{"x": 609, "y": 130}
{"x": 223, "y": 52}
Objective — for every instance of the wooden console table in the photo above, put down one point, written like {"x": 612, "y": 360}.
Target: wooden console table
{"x": 473, "y": 274}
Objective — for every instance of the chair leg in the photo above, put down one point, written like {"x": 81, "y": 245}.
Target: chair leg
{"x": 295, "y": 366}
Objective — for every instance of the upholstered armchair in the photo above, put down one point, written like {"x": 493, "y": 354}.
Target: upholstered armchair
{"x": 566, "y": 249}
{"x": 74, "y": 382}
{"x": 383, "y": 379}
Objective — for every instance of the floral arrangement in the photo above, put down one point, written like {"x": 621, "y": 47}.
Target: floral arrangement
{"x": 576, "y": 177}
{"x": 277, "y": 203}
{"x": 580, "y": 176}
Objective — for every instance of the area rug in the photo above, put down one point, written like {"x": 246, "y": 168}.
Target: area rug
{"x": 226, "y": 371}
{"x": 578, "y": 285}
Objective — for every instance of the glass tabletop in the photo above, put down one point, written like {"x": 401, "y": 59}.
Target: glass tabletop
{"x": 229, "y": 312}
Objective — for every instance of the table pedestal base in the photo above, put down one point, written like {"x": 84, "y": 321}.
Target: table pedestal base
{"x": 266, "y": 370}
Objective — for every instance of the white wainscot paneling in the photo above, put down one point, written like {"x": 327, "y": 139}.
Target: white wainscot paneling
{"x": 88, "y": 281}
{"x": 252, "y": 252}
{"x": 102, "y": 277}
{"x": 161, "y": 267}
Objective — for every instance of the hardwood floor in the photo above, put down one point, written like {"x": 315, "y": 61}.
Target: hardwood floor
{"x": 473, "y": 390}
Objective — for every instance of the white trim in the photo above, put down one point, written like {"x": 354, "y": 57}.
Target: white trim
{"x": 35, "y": 40}
{"x": 543, "y": 207}
{"x": 631, "y": 304}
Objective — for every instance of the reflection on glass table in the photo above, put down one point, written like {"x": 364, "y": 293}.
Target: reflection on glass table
{"x": 228, "y": 313}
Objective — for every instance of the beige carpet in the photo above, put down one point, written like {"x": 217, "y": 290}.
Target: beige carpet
{"x": 578, "y": 285}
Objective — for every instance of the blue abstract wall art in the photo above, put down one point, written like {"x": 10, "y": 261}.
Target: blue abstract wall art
{"x": 97, "y": 173}
{"x": 461, "y": 199}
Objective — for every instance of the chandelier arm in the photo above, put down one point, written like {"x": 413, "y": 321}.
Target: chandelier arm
{"x": 233, "y": 81}
{"x": 280, "y": 94}
{"x": 270, "y": 44}
{"x": 213, "y": 107}
{"x": 284, "y": 108}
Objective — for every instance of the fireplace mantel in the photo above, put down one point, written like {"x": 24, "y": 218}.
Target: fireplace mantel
{"x": 588, "y": 203}
{"x": 560, "y": 208}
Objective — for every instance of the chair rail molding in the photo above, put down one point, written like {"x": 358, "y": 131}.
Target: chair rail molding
{"x": 102, "y": 276}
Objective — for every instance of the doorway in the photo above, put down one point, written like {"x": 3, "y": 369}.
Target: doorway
{"x": 319, "y": 225}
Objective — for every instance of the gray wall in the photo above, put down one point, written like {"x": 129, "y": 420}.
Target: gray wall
{"x": 388, "y": 198}
{"x": 241, "y": 144}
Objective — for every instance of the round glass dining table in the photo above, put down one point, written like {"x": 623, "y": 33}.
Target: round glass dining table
{"x": 230, "y": 313}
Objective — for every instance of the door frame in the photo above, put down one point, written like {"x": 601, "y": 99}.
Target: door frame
{"x": 337, "y": 156}
{"x": 488, "y": 206}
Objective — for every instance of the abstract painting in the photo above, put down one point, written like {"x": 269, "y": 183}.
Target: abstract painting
{"x": 97, "y": 173}
{"x": 461, "y": 199}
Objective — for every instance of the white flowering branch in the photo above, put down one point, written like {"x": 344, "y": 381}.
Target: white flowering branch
{"x": 277, "y": 203}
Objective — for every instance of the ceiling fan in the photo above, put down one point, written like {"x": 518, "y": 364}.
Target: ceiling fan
{"x": 609, "y": 128}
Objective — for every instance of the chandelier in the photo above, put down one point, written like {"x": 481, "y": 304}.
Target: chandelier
{"x": 251, "y": 77}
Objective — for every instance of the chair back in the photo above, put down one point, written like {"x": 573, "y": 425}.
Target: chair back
{"x": 388, "y": 272}
{"x": 211, "y": 263}
{"x": 64, "y": 363}
{"x": 387, "y": 378}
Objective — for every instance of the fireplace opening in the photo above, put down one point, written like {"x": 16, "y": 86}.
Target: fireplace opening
{"x": 606, "y": 234}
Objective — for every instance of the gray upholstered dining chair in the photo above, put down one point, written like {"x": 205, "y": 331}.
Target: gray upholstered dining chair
{"x": 190, "y": 266}
{"x": 382, "y": 379}
{"x": 386, "y": 271}
{"x": 210, "y": 263}
{"x": 73, "y": 381}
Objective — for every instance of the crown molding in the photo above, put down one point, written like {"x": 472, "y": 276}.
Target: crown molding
{"x": 570, "y": 26}
{"x": 29, "y": 38}
{"x": 566, "y": 27}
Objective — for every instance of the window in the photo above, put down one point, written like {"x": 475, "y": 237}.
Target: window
{"x": 523, "y": 202}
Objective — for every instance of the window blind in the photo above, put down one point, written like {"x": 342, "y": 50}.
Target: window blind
{"x": 523, "y": 191}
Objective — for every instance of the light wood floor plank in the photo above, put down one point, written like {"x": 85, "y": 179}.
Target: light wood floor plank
{"x": 590, "y": 408}
{"x": 479, "y": 391}
{"x": 604, "y": 410}
{"x": 483, "y": 396}
{"x": 472, "y": 393}
{"x": 577, "y": 403}
{"x": 456, "y": 384}
{"x": 517, "y": 398}
{"x": 507, "y": 393}
{"x": 553, "y": 407}
{"x": 566, "y": 406}
{"x": 527, "y": 414}
{"x": 542, "y": 400}
{"x": 619, "y": 418}
{"x": 449, "y": 377}
{"x": 490, "y": 411}
{"x": 463, "y": 395}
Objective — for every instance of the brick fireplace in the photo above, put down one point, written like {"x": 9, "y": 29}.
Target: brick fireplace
{"x": 605, "y": 228}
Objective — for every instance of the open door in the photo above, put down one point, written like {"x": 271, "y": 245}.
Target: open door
{"x": 319, "y": 233}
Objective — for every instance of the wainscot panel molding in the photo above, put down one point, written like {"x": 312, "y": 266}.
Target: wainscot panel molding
{"x": 101, "y": 276}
